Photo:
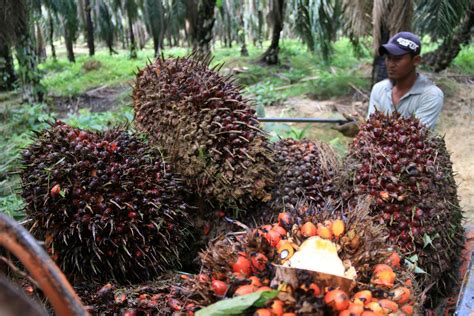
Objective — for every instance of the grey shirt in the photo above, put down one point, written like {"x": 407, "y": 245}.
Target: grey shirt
{"x": 424, "y": 100}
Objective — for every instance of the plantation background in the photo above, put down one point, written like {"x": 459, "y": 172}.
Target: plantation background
{"x": 320, "y": 71}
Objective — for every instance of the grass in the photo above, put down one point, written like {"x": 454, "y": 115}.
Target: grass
{"x": 464, "y": 61}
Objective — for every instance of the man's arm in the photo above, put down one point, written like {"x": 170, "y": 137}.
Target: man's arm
{"x": 431, "y": 104}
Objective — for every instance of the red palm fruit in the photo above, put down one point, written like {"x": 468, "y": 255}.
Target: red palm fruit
{"x": 273, "y": 237}
{"x": 279, "y": 229}
{"x": 324, "y": 232}
{"x": 337, "y": 228}
{"x": 388, "y": 306}
{"x": 375, "y": 307}
{"x": 284, "y": 219}
{"x": 219, "y": 287}
{"x": 393, "y": 260}
{"x": 384, "y": 278}
{"x": 55, "y": 190}
{"x": 316, "y": 289}
{"x": 255, "y": 281}
{"x": 245, "y": 289}
{"x": 382, "y": 267}
{"x": 408, "y": 309}
{"x": 308, "y": 229}
{"x": 364, "y": 296}
{"x": 337, "y": 299}
{"x": 242, "y": 265}
{"x": 401, "y": 295}
{"x": 356, "y": 309}
{"x": 277, "y": 307}
{"x": 263, "y": 312}
{"x": 259, "y": 262}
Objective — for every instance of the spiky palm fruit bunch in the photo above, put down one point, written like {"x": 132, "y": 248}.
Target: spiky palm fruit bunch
{"x": 206, "y": 128}
{"x": 252, "y": 261}
{"x": 304, "y": 169}
{"x": 408, "y": 172}
{"x": 105, "y": 203}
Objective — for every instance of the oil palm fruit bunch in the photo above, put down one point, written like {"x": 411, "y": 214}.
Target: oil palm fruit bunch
{"x": 304, "y": 169}
{"x": 105, "y": 204}
{"x": 407, "y": 171}
{"x": 150, "y": 298}
{"x": 206, "y": 128}
{"x": 321, "y": 264}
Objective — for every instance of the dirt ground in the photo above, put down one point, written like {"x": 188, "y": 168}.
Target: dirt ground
{"x": 456, "y": 123}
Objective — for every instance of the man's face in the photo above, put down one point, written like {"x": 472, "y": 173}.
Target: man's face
{"x": 398, "y": 67}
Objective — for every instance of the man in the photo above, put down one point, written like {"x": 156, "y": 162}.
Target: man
{"x": 405, "y": 90}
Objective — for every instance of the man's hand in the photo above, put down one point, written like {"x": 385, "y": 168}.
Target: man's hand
{"x": 351, "y": 128}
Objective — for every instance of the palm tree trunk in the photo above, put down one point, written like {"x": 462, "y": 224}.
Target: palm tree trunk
{"x": 40, "y": 47}
{"x": 69, "y": 45}
{"x": 379, "y": 68}
{"x": 243, "y": 49}
{"x": 51, "y": 35}
{"x": 7, "y": 72}
{"x": 442, "y": 57}
{"x": 32, "y": 91}
{"x": 270, "y": 57}
{"x": 133, "y": 45}
{"x": 90, "y": 28}
{"x": 204, "y": 25}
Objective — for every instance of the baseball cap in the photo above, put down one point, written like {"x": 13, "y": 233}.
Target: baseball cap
{"x": 400, "y": 44}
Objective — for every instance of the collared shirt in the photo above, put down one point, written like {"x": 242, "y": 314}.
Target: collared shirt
{"x": 424, "y": 100}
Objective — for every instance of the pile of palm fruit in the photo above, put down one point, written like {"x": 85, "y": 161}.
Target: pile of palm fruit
{"x": 114, "y": 208}
{"x": 206, "y": 128}
{"x": 284, "y": 256}
{"x": 304, "y": 169}
{"x": 408, "y": 173}
{"x": 105, "y": 204}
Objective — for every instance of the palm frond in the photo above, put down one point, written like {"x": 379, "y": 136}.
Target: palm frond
{"x": 439, "y": 18}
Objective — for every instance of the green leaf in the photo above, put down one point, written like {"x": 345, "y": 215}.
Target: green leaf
{"x": 237, "y": 305}
{"x": 62, "y": 193}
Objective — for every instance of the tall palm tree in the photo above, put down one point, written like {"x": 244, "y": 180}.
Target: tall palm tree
{"x": 89, "y": 27}
{"x": 200, "y": 15}
{"x": 270, "y": 57}
{"x": 388, "y": 17}
{"x": 439, "y": 25}
{"x": 16, "y": 28}
{"x": 131, "y": 8}
{"x": 68, "y": 12}
{"x": 106, "y": 27}
{"x": 437, "y": 18}
{"x": 154, "y": 16}
{"x": 7, "y": 72}
{"x": 317, "y": 22}
{"x": 51, "y": 7}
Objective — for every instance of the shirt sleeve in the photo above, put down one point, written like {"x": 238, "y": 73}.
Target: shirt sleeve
{"x": 430, "y": 107}
{"x": 373, "y": 102}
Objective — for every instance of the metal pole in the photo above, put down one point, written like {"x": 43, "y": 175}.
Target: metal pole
{"x": 302, "y": 120}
